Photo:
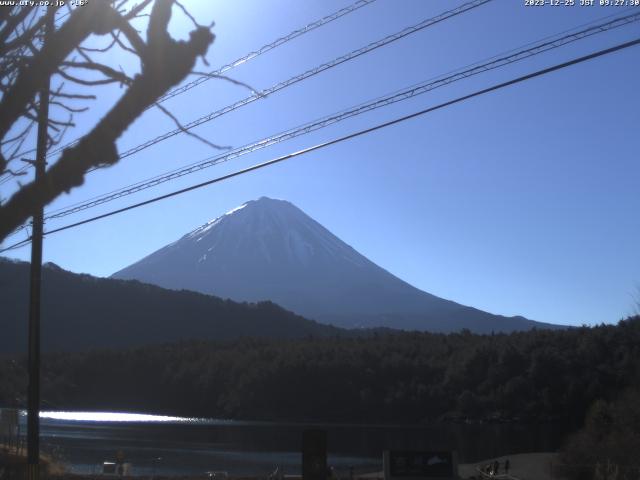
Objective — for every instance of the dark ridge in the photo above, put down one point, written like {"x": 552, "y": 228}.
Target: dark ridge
{"x": 80, "y": 312}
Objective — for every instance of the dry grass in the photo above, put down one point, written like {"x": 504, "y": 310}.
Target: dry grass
{"x": 12, "y": 460}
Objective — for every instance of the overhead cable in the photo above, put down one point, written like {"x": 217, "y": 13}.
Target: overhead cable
{"x": 353, "y": 135}
{"x": 324, "y": 122}
{"x": 251, "y": 55}
{"x": 307, "y": 74}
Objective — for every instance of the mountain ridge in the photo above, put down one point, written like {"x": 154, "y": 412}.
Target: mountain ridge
{"x": 81, "y": 312}
{"x": 270, "y": 249}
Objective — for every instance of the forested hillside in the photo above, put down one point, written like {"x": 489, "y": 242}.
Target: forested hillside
{"x": 400, "y": 377}
{"x": 80, "y": 312}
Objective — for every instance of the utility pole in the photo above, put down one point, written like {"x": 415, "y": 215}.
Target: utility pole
{"x": 33, "y": 400}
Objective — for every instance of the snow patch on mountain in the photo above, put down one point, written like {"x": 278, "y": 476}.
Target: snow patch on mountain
{"x": 199, "y": 232}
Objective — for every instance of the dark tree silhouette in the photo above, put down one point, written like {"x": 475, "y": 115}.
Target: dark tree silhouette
{"x": 28, "y": 57}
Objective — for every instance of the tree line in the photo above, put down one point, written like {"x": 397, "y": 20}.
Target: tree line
{"x": 381, "y": 377}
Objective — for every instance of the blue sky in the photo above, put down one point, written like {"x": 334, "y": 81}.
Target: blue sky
{"x": 521, "y": 202}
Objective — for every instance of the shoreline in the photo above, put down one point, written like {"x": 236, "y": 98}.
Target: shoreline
{"x": 523, "y": 466}
{"x": 102, "y": 416}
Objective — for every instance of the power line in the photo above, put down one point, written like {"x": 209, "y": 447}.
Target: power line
{"x": 297, "y": 78}
{"x": 17, "y": 245}
{"x": 496, "y": 61}
{"x": 293, "y": 80}
{"x": 511, "y": 56}
{"x": 307, "y": 74}
{"x": 270, "y": 46}
{"x": 504, "y": 56}
{"x": 350, "y": 136}
{"x": 251, "y": 55}
{"x": 407, "y": 93}
{"x": 18, "y": 172}
{"x": 225, "y": 68}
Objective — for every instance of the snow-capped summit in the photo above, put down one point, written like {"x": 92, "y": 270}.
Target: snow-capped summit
{"x": 269, "y": 249}
{"x": 269, "y": 231}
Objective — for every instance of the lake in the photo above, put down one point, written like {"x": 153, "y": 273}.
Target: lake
{"x": 187, "y": 446}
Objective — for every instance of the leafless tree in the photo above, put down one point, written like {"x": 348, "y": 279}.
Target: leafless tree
{"x": 29, "y": 55}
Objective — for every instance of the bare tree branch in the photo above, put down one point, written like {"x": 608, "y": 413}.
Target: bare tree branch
{"x": 230, "y": 80}
{"x": 137, "y": 9}
{"x": 92, "y": 18}
{"x": 139, "y": 47}
{"x": 8, "y": 171}
{"x": 99, "y": 50}
{"x": 73, "y": 96}
{"x": 67, "y": 107}
{"x": 188, "y": 15}
{"x": 81, "y": 81}
{"x": 104, "y": 69}
{"x": 189, "y": 132}
{"x": 165, "y": 63}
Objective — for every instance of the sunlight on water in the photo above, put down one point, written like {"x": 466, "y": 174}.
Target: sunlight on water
{"x": 113, "y": 417}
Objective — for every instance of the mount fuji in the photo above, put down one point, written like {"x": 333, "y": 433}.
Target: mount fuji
{"x": 269, "y": 249}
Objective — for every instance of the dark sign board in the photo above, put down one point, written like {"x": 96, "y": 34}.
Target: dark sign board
{"x": 314, "y": 455}
{"x": 420, "y": 464}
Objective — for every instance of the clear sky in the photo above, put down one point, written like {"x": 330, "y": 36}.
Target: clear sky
{"x": 522, "y": 202}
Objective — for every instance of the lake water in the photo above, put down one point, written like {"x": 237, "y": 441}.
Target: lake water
{"x": 183, "y": 446}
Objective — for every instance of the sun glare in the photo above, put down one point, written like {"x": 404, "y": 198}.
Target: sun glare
{"x": 111, "y": 417}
